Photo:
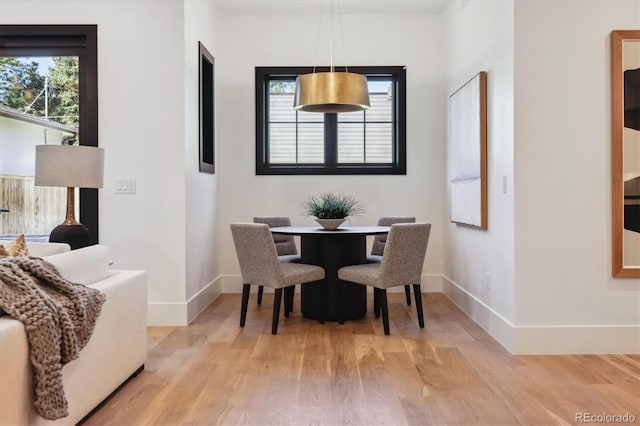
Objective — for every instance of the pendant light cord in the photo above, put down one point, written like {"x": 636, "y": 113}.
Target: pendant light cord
{"x": 319, "y": 33}
{"x": 331, "y": 45}
{"x": 346, "y": 67}
{"x": 331, "y": 66}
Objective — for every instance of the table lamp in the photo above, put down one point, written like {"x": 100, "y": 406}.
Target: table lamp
{"x": 70, "y": 166}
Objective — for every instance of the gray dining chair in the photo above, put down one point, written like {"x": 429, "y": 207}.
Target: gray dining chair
{"x": 401, "y": 264}
{"x": 287, "y": 252}
{"x": 259, "y": 265}
{"x": 379, "y": 241}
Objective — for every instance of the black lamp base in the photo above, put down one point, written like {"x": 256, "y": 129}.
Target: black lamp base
{"x": 76, "y": 235}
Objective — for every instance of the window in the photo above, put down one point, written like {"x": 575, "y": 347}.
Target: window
{"x": 75, "y": 46}
{"x": 300, "y": 143}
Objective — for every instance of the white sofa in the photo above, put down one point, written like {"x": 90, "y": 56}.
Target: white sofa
{"x": 116, "y": 351}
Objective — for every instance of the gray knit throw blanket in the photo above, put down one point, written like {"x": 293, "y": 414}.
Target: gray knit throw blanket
{"x": 58, "y": 317}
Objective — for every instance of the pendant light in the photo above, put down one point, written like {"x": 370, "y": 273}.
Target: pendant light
{"x": 331, "y": 92}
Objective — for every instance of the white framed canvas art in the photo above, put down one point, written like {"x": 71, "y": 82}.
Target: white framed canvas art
{"x": 467, "y": 153}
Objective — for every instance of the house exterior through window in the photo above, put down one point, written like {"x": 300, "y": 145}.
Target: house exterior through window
{"x": 298, "y": 142}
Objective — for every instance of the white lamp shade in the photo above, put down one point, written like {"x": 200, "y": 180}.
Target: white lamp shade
{"x": 69, "y": 166}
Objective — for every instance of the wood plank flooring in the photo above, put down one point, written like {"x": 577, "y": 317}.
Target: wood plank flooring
{"x": 449, "y": 373}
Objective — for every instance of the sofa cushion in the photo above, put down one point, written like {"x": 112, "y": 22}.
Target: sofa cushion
{"x": 40, "y": 249}
{"x": 85, "y": 265}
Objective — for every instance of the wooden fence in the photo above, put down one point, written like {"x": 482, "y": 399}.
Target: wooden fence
{"x": 32, "y": 209}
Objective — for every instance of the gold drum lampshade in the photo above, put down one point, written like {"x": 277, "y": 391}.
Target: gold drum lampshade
{"x": 331, "y": 92}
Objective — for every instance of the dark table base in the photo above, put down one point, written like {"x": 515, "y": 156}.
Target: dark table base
{"x": 333, "y": 252}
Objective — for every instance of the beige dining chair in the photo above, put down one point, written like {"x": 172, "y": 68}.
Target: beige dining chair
{"x": 287, "y": 252}
{"x": 259, "y": 265}
{"x": 401, "y": 264}
{"x": 379, "y": 241}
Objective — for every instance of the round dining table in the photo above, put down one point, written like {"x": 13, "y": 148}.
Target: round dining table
{"x": 333, "y": 249}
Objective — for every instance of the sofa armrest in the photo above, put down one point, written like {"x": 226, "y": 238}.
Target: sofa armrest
{"x": 117, "y": 348}
{"x": 15, "y": 393}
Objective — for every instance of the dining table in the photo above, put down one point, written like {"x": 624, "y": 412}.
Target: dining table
{"x": 333, "y": 249}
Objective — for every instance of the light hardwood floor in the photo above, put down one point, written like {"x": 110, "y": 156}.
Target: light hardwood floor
{"x": 451, "y": 372}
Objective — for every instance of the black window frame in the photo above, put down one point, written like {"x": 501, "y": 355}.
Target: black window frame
{"x": 398, "y": 166}
{"x": 67, "y": 40}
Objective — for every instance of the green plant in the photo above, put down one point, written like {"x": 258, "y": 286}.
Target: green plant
{"x": 331, "y": 205}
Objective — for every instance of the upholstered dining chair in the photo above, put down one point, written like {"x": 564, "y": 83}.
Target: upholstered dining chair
{"x": 401, "y": 264}
{"x": 287, "y": 252}
{"x": 259, "y": 265}
{"x": 379, "y": 241}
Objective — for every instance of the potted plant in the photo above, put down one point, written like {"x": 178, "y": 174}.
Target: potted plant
{"x": 331, "y": 209}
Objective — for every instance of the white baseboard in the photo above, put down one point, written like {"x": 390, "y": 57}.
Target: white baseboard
{"x": 203, "y": 298}
{"x": 589, "y": 339}
{"x": 181, "y": 314}
{"x": 166, "y": 314}
{"x": 233, "y": 284}
{"x": 519, "y": 340}
{"x": 432, "y": 283}
{"x": 544, "y": 339}
{"x": 491, "y": 321}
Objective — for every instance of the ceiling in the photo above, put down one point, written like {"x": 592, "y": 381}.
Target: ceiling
{"x": 263, "y": 7}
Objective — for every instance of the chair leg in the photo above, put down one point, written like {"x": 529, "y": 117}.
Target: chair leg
{"x": 376, "y": 302}
{"x": 385, "y": 310}
{"x": 418, "y": 295}
{"x": 289, "y": 293}
{"x": 260, "y": 291}
{"x": 407, "y": 293}
{"x": 245, "y": 302}
{"x": 276, "y": 310}
{"x": 292, "y": 294}
{"x": 288, "y": 301}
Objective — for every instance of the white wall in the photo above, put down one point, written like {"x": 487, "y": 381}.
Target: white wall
{"x": 281, "y": 40}
{"x": 479, "y": 37}
{"x": 548, "y": 247}
{"x": 141, "y": 114}
{"x": 563, "y": 178}
{"x": 202, "y": 258}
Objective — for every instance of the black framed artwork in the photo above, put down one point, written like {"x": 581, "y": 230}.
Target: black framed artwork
{"x": 207, "y": 110}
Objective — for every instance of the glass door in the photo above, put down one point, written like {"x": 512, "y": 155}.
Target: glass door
{"x": 38, "y": 105}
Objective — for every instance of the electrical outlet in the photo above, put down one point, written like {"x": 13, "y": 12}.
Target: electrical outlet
{"x": 487, "y": 281}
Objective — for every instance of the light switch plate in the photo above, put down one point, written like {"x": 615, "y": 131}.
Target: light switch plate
{"x": 125, "y": 186}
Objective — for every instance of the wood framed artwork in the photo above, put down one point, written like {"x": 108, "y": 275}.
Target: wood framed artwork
{"x": 625, "y": 152}
{"x": 467, "y": 152}
{"x": 207, "y": 110}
